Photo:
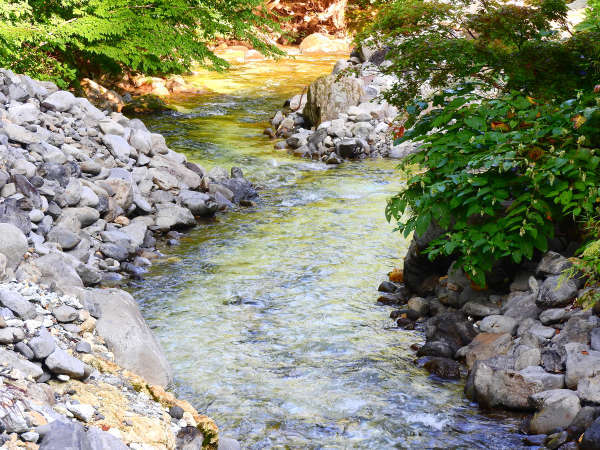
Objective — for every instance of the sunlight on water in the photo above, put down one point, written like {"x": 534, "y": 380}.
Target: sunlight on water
{"x": 268, "y": 315}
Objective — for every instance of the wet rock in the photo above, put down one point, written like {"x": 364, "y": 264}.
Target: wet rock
{"x": 583, "y": 420}
{"x": 419, "y": 305}
{"x": 495, "y": 384}
{"x": 443, "y": 367}
{"x": 591, "y": 437}
{"x": 555, "y": 409}
{"x": 480, "y": 309}
{"x": 451, "y": 328}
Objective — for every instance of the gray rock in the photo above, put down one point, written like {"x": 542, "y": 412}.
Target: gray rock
{"x": 419, "y": 305}
{"x": 9, "y": 335}
{"x": 13, "y": 244}
{"x": 42, "y": 345}
{"x": 173, "y": 216}
{"x": 552, "y": 263}
{"x": 12, "y": 360}
{"x": 118, "y": 147}
{"x": 30, "y": 436}
{"x": 498, "y": 324}
{"x": 526, "y": 356}
{"x": 554, "y": 315}
{"x": 189, "y": 438}
{"x": 555, "y": 409}
{"x": 60, "y": 362}
{"x": 496, "y": 385}
{"x": 591, "y": 437}
{"x": 556, "y": 291}
{"x": 64, "y": 237}
{"x": 588, "y": 389}
{"x": 89, "y": 275}
{"x": 65, "y": 313}
{"x": 19, "y": 134}
{"x": 580, "y": 363}
{"x": 17, "y": 304}
{"x": 128, "y": 336}
{"x": 58, "y": 268}
{"x": 101, "y": 440}
{"x": 552, "y": 360}
{"x": 115, "y": 251}
{"x": 520, "y": 306}
{"x": 328, "y": 96}
{"x": 24, "y": 350}
{"x": 595, "y": 339}
{"x": 59, "y": 101}
{"x": 81, "y": 411}
{"x": 480, "y": 309}
{"x": 83, "y": 347}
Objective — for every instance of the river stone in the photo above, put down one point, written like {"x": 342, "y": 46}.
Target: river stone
{"x": 17, "y": 304}
{"x": 520, "y": 306}
{"x": 591, "y": 437}
{"x": 65, "y": 314}
{"x": 480, "y": 308}
{"x": 526, "y": 356}
{"x": 556, "y": 291}
{"x": 172, "y": 216}
{"x": 13, "y": 244}
{"x": 552, "y": 263}
{"x": 81, "y": 411}
{"x": 328, "y": 96}
{"x": 556, "y": 409}
{"x": 58, "y": 268}
{"x": 497, "y": 323}
{"x": 60, "y": 362}
{"x": 17, "y": 133}
{"x": 59, "y": 101}
{"x": 581, "y": 363}
{"x": 485, "y": 346}
{"x": 64, "y": 237}
{"x": 12, "y": 360}
{"x": 42, "y": 345}
{"x": 118, "y": 147}
{"x": 127, "y": 335}
{"x": 554, "y": 315}
{"x": 199, "y": 203}
{"x": 588, "y": 389}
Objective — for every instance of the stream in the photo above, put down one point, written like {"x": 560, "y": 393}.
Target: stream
{"x": 268, "y": 314}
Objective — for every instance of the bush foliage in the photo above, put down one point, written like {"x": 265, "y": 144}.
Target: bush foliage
{"x": 510, "y": 135}
{"x": 60, "y": 40}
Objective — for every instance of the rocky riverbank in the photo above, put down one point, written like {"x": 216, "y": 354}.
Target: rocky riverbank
{"x": 342, "y": 115}
{"x": 85, "y": 195}
{"x": 524, "y": 342}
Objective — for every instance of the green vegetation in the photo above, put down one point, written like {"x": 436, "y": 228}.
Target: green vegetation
{"x": 62, "y": 40}
{"x": 510, "y": 134}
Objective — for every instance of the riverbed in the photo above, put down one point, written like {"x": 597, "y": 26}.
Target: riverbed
{"x": 268, "y": 314}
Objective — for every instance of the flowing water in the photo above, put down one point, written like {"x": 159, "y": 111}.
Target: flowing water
{"x": 268, "y": 314}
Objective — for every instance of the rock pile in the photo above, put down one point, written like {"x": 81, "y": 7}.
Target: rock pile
{"x": 84, "y": 193}
{"x": 341, "y": 115}
{"x": 60, "y": 387}
{"x": 526, "y": 348}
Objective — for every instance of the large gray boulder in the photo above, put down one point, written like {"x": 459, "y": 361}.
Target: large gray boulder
{"x": 556, "y": 291}
{"x": 127, "y": 335}
{"x": 329, "y": 96}
{"x": 555, "y": 409}
{"x": 13, "y": 244}
{"x": 496, "y": 384}
{"x": 17, "y": 304}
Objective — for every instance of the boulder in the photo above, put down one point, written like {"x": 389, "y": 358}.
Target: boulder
{"x": 520, "y": 306}
{"x": 190, "y": 178}
{"x": 13, "y": 244}
{"x": 172, "y": 216}
{"x": 199, "y": 203}
{"x": 60, "y": 101}
{"x": 591, "y": 437}
{"x": 552, "y": 263}
{"x": 581, "y": 363}
{"x": 17, "y": 304}
{"x": 556, "y": 291}
{"x": 127, "y": 334}
{"x": 496, "y": 384}
{"x": 498, "y": 324}
{"x": 13, "y": 361}
{"x": 486, "y": 346}
{"x": 42, "y": 345}
{"x": 329, "y": 96}
{"x": 58, "y": 268}
{"x": 60, "y": 362}
{"x": 452, "y": 328}
{"x": 555, "y": 409}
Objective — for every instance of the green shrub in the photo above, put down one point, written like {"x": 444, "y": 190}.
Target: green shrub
{"x": 500, "y": 174}
{"x": 64, "y": 39}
